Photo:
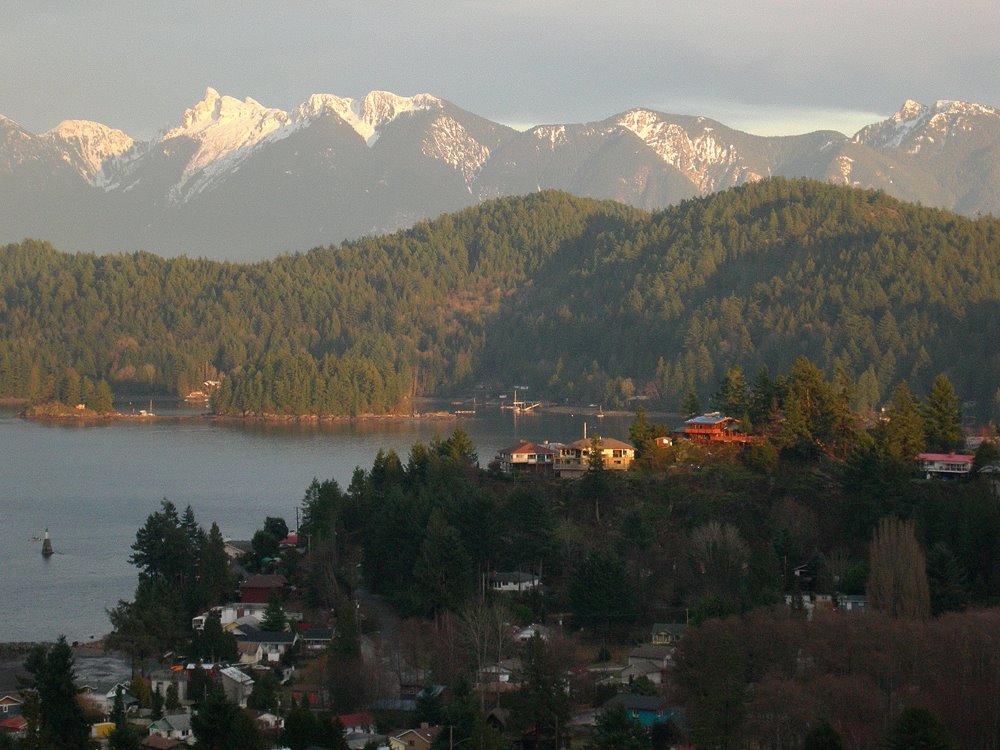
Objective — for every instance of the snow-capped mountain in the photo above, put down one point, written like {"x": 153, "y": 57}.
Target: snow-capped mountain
{"x": 235, "y": 178}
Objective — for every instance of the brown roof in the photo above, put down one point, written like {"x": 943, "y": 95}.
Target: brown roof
{"x": 525, "y": 447}
{"x": 603, "y": 444}
{"x": 264, "y": 581}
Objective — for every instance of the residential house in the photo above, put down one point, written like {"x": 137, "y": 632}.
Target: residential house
{"x": 945, "y": 465}
{"x": 266, "y": 722}
{"x": 236, "y": 548}
{"x": 530, "y": 631}
{"x": 273, "y": 644}
{"x": 236, "y": 684}
{"x": 852, "y": 603}
{"x": 574, "y": 458}
{"x": 667, "y": 633}
{"x": 715, "y": 427}
{"x": 514, "y": 581}
{"x": 258, "y": 589}
{"x": 10, "y": 705}
{"x": 414, "y": 739}
{"x": 648, "y": 662}
{"x": 526, "y": 457}
{"x": 250, "y": 653}
{"x": 317, "y": 639}
{"x": 646, "y": 709}
{"x": 161, "y": 680}
{"x": 357, "y": 722}
{"x": 14, "y": 726}
{"x": 176, "y": 726}
{"x": 503, "y": 671}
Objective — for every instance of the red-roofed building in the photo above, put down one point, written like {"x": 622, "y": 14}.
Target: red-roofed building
{"x": 945, "y": 465}
{"x": 13, "y": 725}
{"x": 258, "y": 589}
{"x": 292, "y": 540}
{"x": 715, "y": 427}
{"x": 362, "y": 722}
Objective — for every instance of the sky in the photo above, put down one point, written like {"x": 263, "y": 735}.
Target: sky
{"x": 765, "y": 66}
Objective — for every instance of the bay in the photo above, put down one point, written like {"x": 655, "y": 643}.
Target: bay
{"x": 93, "y": 485}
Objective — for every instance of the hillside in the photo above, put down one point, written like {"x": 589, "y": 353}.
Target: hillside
{"x": 579, "y": 299}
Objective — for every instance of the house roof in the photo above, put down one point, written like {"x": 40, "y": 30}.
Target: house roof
{"x": 172, "y": 722}
{"x": 427, "y": 734}
{"x": 674, "y": 628}
{"x": 604, "y": 443}
{"x": 247, "y": 647}
{"x": 526, "y": 447}
{"x": 711, "y": 418}
{"x": 317, "y": 634}
{"x": 362, "y": 719}
{"x": 955, "y": 458}
{"x": 237, "y": 675}
{"x": 515, "y": 576}
{"x": 13, "y": 724}
{"x": 264, "y": 581}
{"x": 268, "y": 636}
{"x": 649, "y": 652}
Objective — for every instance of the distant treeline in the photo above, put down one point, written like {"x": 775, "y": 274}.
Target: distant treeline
{"x": 582, "y": 300}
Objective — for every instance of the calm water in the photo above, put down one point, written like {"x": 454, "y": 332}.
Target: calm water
{"x": 93, "y": 487}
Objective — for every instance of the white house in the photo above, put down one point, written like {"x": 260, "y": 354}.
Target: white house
{"x": 945, "y": 465}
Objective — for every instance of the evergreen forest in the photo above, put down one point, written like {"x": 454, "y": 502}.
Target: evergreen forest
{"x": 582, "y": 300}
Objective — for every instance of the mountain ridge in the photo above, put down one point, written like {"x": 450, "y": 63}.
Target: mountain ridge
{"x": 232, "y": 178}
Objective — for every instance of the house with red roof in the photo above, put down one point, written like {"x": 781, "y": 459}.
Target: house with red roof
{"x": 945, "y": 465}
{"x": 527, "y": 457}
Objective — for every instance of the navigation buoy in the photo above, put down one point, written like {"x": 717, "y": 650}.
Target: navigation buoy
{"x": 46, "y": 544}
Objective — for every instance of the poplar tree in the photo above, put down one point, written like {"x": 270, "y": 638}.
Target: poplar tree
{"x": 897, "y": 581}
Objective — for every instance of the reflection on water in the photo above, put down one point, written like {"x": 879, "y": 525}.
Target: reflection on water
{"x": 93, "y": 484}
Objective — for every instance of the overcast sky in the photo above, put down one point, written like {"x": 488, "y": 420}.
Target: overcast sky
{"x": 766, "y": 66}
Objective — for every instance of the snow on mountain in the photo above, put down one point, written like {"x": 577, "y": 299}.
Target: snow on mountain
{"x": 451, "y": 143}
{"x": 710, "y": 164}
{"x": 228, "y": 131}
{"x": 367, "y": 116}
{"x": 917, "y": 126}
{"x": 96, "y": 147}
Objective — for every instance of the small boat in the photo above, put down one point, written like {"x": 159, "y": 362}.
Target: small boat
{"x": 46, "y": 544}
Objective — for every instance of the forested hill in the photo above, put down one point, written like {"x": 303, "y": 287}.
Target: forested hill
{"x": 577, "y": 298}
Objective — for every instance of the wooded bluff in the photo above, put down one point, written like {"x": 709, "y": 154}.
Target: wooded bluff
{"x": 580, "y": 299}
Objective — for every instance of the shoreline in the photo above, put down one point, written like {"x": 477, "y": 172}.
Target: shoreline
{"x": 233, "y": 419}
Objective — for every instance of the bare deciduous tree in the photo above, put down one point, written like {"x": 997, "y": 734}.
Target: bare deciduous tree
{"x": 897, "y": 581}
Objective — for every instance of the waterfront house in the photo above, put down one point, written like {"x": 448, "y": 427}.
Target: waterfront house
{"x": 715, "y": 427}
{"x": 574, "y": 458}
{"x": 526, "y": 457}
{"x": 945, "y": 465}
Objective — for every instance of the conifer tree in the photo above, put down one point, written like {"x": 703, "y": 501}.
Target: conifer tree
{"x": 942, "y": 417}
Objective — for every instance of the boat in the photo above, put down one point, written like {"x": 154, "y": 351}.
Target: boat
{"x": 600, "y": 412}
{"x": 46, "y": 544}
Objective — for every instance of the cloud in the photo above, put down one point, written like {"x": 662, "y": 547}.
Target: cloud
{"x": 137, "y": 65}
